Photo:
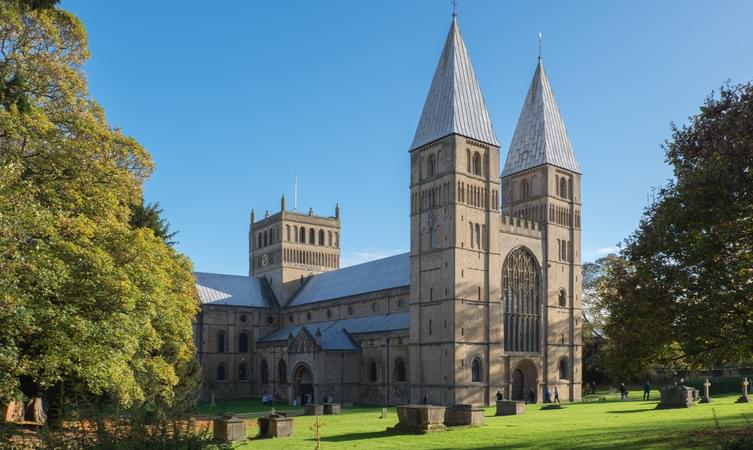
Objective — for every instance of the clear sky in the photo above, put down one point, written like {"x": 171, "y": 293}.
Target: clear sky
{"x": 232, "y": 98}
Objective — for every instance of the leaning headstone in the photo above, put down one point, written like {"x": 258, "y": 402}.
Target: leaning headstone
{"x": 706, "y": 386}
{"x": 744, "y": 397}
{"x": 420, "y": 419}
{"x": 228, "y": 428}
{"x": 677, "y": 396}
{"x": 510, "y": 408}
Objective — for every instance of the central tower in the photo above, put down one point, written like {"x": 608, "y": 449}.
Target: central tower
{"x": 455, "y": 264}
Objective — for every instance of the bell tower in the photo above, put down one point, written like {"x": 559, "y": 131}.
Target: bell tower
{"x": 541, "y": 183}
{"x": 287, "y": 247}
{"x": 454, "y": 289}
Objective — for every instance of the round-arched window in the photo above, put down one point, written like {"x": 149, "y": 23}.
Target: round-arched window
{"x": 401, "y": 372}
{"x": 563, "y": 369}
{"x": 373, "y": 371}
{"x": 264, "y": 371}
{"x": 221, "y": 372}
{"x": 476, "y": 370}
{"x": 242, "y": 372}
{"x": 562, "y": 298}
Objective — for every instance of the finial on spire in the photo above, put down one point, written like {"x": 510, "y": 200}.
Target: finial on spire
{"x": 282, "y": 203}
{"x": 454, "y": 8}
{"x": 539, "y": 46}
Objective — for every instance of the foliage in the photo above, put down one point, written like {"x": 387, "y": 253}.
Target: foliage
{"x": 685, "y": 295}
{"x": 150, "y": 216}
{"x": 90, "y": 307}
{"x": 594, "y": 317}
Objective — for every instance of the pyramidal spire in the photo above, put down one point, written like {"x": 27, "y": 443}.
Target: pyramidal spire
{"x": 455, "y": 104}
{"x": 540, "y": 136}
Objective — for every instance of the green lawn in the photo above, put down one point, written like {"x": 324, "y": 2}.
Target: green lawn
{"x": 612, "y": 424}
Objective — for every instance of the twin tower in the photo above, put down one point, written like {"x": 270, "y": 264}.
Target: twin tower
{"x": 496, "y": 290}
{"x": 495, "y": 260}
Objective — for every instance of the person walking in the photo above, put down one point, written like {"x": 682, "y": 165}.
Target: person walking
{"x": 556, "y": 394}
{"x": 623, "y": 392}
{"x": 647, "y": 390}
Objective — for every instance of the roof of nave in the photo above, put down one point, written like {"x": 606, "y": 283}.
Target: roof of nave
{"x": 386, "y": 273}
{"x": 233, "y": 290}
{"x": 540, "y": 136}
{"x": 336, "y": 334}
{"x": 454, "y": 103}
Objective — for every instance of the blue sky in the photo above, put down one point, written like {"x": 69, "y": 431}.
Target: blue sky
{"x": 233, "y": 98}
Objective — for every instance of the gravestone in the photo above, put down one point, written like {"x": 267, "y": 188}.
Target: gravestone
{"x": 510, "y": 408}
{"x": 706, "y": 386}
{"x": 462, "y": 415}
{"x": 313, "y": 409}
{"x": 228, "y": 428}
{"x": 275, "y": 425}
{"x": 332, "y": 408}
{"x": 420, "y": 419}
{"x": 744, "y": 396}
{"x": 677, "y": 396}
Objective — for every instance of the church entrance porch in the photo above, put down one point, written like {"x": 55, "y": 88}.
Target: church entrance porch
{"x": 523, "y": 381}
{"x": 303, "y": 385}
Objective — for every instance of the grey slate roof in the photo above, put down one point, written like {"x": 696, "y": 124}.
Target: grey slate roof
{"x": 455, "y": 103}
{"x": 336, "y": 334}
{"x": 540, "y": 136}
{"x": 386, "y": 273}
{"x": 235, "y": 290}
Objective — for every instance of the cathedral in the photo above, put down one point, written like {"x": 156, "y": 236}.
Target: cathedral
{"x": 487, "y": 300}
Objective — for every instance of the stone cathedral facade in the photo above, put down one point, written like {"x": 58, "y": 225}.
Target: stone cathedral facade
{"x": 487, "y": 299}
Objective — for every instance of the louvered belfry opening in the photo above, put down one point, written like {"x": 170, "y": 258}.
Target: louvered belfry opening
{"x": 521, "y": 288}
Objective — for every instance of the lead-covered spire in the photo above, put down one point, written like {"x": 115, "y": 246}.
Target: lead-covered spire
{"x": 540, "y": 136}
{"x": 455, "y": 103}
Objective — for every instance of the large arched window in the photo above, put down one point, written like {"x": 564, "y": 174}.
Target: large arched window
{"x": 476, "y": 164}
{"x": 562, "y": 298}
{"x": 302, "y": 237}
{"x": 401, "y": 372}
{"x": 476, "y": 370}
{"x": 373, "y": 371}
{"x": 312, "y": 236}
{"x": 243, "y": 342}
{"x": 521, "y": 290}
{"x": 563, "y": 369}
{"x": 321, "y": 237}
{"x": 264, "y": 372}
{"x": 563, "y": 187}
{"x": 243, "y": 372}
{"x": 329, "y": 238}
{"x": 221, "y": 372}
{"x": 221, "y": 342}
{"x": 282, "y": 372}
{"x": 526, "y": 189}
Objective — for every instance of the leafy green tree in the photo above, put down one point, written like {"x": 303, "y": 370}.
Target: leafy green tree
{"x": 150, "y": 216}
{"x": 90, "y": 305}
{"x": 595, "y": 317}
{"x": 684, "y": 296}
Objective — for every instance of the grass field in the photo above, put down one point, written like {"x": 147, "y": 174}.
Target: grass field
{"x": 612, "y": 424}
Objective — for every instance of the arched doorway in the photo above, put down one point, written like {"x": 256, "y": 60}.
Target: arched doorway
{"x": 518, "y": 385}
{"x": 524, "y": 379}
{"x": 303, "y": 385}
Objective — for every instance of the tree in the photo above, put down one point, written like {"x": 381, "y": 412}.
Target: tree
{"x": 685, "y": 294}
{"x": 150, "y": 216}
{"x": 90, "y": 305}
{"x": 594, "y": 317}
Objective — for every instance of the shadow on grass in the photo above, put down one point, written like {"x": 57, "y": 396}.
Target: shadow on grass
{"x": 359, "y": 436}
{"x": 629, "y": 411}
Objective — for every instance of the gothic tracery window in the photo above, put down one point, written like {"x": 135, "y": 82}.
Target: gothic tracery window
{"x": 521, "y": 287}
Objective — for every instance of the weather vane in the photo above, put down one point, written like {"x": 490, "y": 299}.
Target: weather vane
{"x": 454, "y": 8}
{"x": 539, "y": 46}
